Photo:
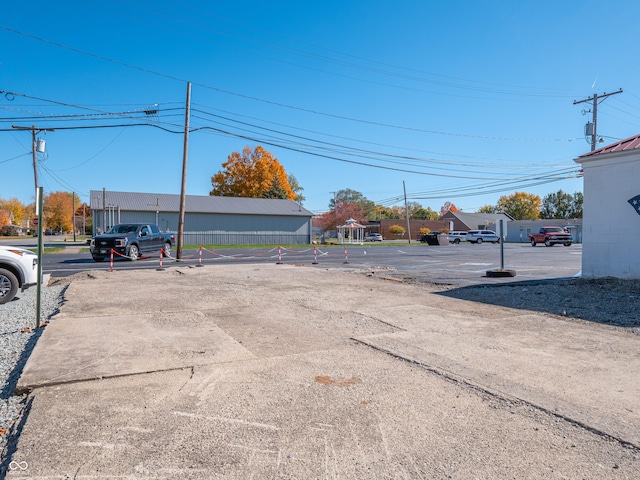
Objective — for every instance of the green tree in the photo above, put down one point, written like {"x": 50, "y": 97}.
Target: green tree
{"x": 355, "y": 198}
{"x": 520, "y": 206}
{"x": 562, "y": 205}
{"x": 425, "y": 214}
{"x": 487, "y": 209}
{"x": 386, "y": 213}
{"x": 275, "y": 190}
{"x": 297, "y": 189}
{"x": 578, "y": 200}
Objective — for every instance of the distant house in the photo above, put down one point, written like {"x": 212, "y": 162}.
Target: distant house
{"x": 208, "y": 220}
{"x": 474, "y": 221}
{"x": 611, "y": 210}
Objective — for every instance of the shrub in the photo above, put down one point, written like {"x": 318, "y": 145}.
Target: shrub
{"x": 397, "y": 230}
{"x": 425, "y": 231}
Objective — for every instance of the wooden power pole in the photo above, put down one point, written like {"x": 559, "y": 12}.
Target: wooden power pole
{"x": 185, "y": 156}
{"x": 594, "y": 99}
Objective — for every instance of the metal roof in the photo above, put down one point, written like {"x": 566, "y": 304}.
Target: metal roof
{"x": 473, "y": 219}
{"x": 150, "y": 202}
{"x": 630, "y": 143}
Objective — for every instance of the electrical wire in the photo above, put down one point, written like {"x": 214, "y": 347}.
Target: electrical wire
{"x": 345, "y": 148}
{"x": 13, "y": 158}
{"x": 269, "y": 102}
{"x": 381, "y": 68}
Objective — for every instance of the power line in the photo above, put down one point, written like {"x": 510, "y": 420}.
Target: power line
{"x": 358, "y": 150}
{"x": 198, "y": 22}
{"x": 269, "y": 102}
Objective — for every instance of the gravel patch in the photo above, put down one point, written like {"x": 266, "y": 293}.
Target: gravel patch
{"x": 607, "y": 301}
{"x": 18, "y": 336}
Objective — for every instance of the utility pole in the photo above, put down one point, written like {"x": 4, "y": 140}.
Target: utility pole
{"x": 73, "y": 214}
{"x": 104, "y": 210}
{"x": 594, "y": 99}
{"x": 335, "y": 207}
{"x": 34, "y": 148}
{"x": 185, "y": 156}
{"x": 406, "y": 211}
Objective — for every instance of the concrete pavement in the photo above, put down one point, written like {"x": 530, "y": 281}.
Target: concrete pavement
{"x": 265, "y": 372}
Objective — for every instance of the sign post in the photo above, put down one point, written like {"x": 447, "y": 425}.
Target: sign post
{"x": 38, "y": 221}
{"x": 501, "y": 227}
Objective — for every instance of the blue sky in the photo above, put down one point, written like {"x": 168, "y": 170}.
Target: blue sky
{"x": 462, "y": 101}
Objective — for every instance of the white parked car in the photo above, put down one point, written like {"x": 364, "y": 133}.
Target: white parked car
{"x": 18, "y": 270}
{"x": 479, "y": 236}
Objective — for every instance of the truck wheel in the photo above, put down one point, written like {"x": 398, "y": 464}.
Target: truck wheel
{"x": 547, "y": 243}
{"x": 567, "y": 244}
{"x": 166, "y": 250}
{"x": 134, "y": 253}
{"x": 8, "y": 286}
{"x": 533, "y": 242}
{"x": 456, "y": 241}
{"x": 98, "y": 259}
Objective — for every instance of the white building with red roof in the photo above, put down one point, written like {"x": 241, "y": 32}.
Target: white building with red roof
{"x": 611, "y": 216}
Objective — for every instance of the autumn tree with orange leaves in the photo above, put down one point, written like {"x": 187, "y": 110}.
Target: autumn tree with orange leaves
{"x": 12, "y": 208}
{"x": 58, "y": 210}
{"x": 448, "y": 207}
{"x": 254, "y": 174}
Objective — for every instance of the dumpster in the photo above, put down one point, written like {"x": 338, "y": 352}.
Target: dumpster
{"x": 435, "y": 239}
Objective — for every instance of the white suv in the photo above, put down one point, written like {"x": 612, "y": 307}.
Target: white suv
{"x": 18, "y": 269}
{"x": 479, "y": 236}
{"x": 457, "y": 237}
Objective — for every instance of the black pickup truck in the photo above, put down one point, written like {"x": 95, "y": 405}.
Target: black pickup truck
{"x": 131, "y": 240}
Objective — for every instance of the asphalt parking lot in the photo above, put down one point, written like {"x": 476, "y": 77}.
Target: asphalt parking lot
{"x": 464, "y": 264}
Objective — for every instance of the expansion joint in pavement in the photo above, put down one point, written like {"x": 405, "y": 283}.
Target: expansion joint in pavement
{"x": 502, "y": 396}
{"x": 30, "y": 388}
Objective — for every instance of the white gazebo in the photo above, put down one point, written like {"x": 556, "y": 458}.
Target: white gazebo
{"x": 351, "y": 232}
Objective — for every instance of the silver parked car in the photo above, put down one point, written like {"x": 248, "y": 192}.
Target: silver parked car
{"x": 479, "y": 236}
{"x": 373, "y": 237}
